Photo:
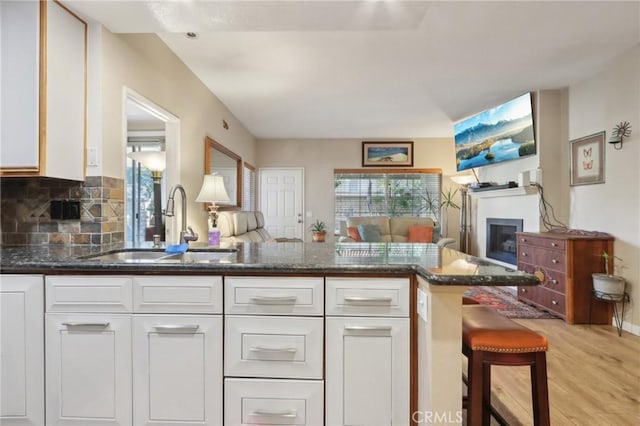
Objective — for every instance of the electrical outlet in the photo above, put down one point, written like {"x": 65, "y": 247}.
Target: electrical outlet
{"x": 535, "y": 176}
{"x": 422, "y": 305}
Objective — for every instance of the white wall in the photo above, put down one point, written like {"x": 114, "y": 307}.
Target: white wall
{"x": 319, "y": 157}
{"x": 598, "y": 104}
{"x": 143, "y": 63}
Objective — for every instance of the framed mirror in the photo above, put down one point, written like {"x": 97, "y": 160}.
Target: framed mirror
{"x": 219, "y": 159}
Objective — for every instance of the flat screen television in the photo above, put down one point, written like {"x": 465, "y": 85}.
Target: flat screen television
{"x": 499, "y": 134}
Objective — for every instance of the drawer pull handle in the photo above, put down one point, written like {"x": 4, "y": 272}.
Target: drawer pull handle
{"x": 554, "y": 281}
{"x": 524, "y": 290}
{"x": 175, "y": 327}
{"x": 271, "y": 300}
{"x": 524, "y": 254}
{"x": 358, "y": 299}
{"x": 553, "y": 302}
{"x": 554, "y": 260}
{"x": 283, "y": 413}
{"x": 86, "y": 324}
{"x": 272, "y": 350}
{"x": 524, "y": 240}
{"x": 554, "y": 245}
{"x": 366, "y": 328}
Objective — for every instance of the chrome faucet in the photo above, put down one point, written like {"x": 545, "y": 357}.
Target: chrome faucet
{"x": 186, "y": 233}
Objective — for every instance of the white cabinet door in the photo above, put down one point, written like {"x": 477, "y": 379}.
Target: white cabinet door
{"x": 88, "y": 369}
{"x": 367, "y": 371}
{"x": 21, "y": 350}
{"x": 177, "y": 370}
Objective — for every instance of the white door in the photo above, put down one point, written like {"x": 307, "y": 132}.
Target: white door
{"x": 88, "y": 369}
{"x": 21, "y": 350}
{"x": 281, "y": 201}
{"x": 367, "y": 371}
{"x": 177, "y": 370}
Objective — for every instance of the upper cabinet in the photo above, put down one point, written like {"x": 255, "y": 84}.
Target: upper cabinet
{"x": 44, "y": 90}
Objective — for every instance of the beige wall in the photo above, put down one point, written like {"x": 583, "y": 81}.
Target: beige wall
{"x": 320, "y": 157}
{"x": 143, "y": 63}
{"x": 598, "y": 104}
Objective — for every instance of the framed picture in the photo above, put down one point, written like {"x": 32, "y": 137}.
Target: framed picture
{"x": 587, "y": 160}
{"x": 385, "y": 154}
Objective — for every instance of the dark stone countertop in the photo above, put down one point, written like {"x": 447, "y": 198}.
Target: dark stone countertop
{"x": 439, "y": 266}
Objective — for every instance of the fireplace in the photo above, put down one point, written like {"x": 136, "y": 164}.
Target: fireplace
{"x": 501, "y": 239}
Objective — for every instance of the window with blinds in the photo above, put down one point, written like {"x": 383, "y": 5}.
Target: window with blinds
{"x": 248, "y": 187}
{"x": 372, "y": 193}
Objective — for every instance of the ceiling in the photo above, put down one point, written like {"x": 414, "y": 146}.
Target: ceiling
{"x": 376, "y": 69}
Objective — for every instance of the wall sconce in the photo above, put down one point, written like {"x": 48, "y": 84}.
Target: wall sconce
{"x": 622, "y": 130}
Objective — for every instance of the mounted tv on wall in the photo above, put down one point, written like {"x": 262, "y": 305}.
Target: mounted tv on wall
{"x": 499, "y": 134}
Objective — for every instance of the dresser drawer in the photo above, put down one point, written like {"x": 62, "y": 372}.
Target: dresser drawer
{"x": 552, "y": 259}
{"x": 551, "y": 279}
{"x": 367, "y": 296}
{"x": 82, "y": 293}
{"x": 273, "y": 402}
{"x": 177, "y": 294}
{"x": 274, "y": 295}
{"x": 552, "y": 301}
{"x": 558, "y": 244}
{"x": 286, "y": 347}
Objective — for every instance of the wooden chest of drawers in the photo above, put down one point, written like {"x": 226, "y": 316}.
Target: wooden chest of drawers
{"x": 564, "y": 263}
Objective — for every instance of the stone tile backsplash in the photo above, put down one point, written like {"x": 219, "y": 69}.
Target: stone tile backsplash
{"x": 25, "y": 211}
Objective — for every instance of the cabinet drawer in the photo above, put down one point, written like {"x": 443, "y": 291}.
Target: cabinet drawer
{"x": 273, "y": 402}
{"x": 284, "y": 347}
{"x": 80, "y": 293}
{"x": 552, "y": 280}
{"x": 177, "y": 294}
{"x": 274, "y": 295}
{"x": 368, "y": 296}
{"x": 558, "y": 244}
{"x": 552, "y": 259}
{"x": 552, "y": 301}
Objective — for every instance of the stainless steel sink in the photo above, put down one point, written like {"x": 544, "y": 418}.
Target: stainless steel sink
{"x": 160, "y": 256}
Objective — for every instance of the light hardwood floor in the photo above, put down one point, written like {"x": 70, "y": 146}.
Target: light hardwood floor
{"x": 593, "y": 376}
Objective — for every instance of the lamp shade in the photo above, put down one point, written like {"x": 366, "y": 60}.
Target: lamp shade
{"x": 212, "y": 190}
{"x": 156, "y": 161}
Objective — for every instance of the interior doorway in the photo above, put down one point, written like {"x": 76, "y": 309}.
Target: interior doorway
{"x": 281, "y": 201}
{"x": 148, "y": 127}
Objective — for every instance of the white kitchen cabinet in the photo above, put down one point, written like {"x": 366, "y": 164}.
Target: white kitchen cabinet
{"x": 21, "y": 350}
{"x": 367, "y": 357}
{"x": 177, "y": 370}
{"x": 88, "y": 369}
{"x": 367, "y": 371}
{"x": 273, "y": 402}
{"x": 44, "y": 85}
{"x": 139, "y": 350}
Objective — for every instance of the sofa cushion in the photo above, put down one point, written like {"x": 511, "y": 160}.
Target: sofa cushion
{"x": 381, "y": 221}
{"x": 369, "y": 232}
{"x": 252, "y": 223}
{"x": 420, "y": 234}
{"x": 240, "y": 223}
{"x": 353, "y": 233}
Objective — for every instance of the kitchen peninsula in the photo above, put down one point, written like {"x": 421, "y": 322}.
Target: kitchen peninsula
{"x": 303, "y": 333}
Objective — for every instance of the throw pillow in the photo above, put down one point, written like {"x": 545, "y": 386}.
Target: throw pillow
{"x": 353, "y": 233}
{"x": 420, "y": 234}
{"x": 369, "y": 233}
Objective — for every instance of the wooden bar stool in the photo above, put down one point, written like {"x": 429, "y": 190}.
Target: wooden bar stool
{"x": 489, "y": 338}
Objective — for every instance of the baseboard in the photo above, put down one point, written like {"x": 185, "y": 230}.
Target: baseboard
{"x": 631, "y": 328}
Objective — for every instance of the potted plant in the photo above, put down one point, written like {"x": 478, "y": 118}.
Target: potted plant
{"x": 318, "y": 230}
{"x": 608, "y": 286}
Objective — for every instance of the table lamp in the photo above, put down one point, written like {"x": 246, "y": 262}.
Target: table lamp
{"x": 213, "y": 191}
{"x": 156, "y": 162}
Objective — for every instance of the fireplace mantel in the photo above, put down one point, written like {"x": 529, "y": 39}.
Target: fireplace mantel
{"x": 508, "y": 192}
